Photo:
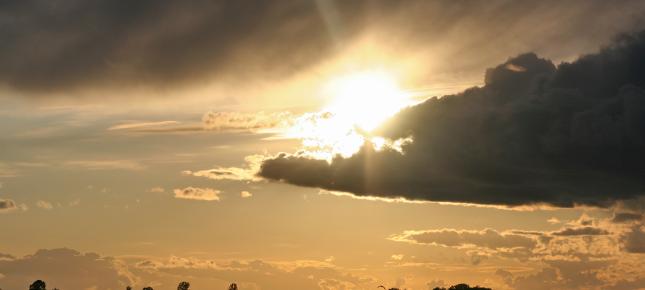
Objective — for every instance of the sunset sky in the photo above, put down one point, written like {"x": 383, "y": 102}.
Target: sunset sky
{"x": 320, "y": 144}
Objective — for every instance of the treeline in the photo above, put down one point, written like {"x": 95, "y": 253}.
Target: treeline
{"x": 41, "y": 285}
{"x": 453, "y": 287}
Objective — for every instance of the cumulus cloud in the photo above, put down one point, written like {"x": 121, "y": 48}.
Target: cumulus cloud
{"x": 569, "y": 244}
{"x": 587, "y": 253}
{"x": 561, "y": 135}
{"x": 7, "y": 205}
{"x": 67, "y": 269}
{"x": 248, "y": 173}
{"x": 196, "y": 193}
{"x": 44, "y": 205}
{"x": 64, "y": 269}
{"x": 245, "y": 194}
{"x": 249, "y": 274}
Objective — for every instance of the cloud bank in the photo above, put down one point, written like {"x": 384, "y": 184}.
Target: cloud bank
{"x": 68, "y": 269}
{"x": 64, "y": 269}
{"x": 535, "y": 133}
{"x": 63, "y": 45}
{"x": 588, "y": 253}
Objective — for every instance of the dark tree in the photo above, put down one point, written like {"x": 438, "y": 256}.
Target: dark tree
{"x": 232, "y": 287}
{"x": 128, "y": 288}
{"x": 381, "y": 286}
{"x": 148, "y": 288}
{"x": 461, "y": 286}
{"x": 38, "y": 285}
{"x": 183, "y": 286}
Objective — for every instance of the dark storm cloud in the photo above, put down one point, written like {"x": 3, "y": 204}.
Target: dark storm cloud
{"x": 60, "y": 45}
{"x": 63, "y": 44}
{"x": 534, "y": 133}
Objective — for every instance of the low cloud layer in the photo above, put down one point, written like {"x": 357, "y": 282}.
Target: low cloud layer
{"x": 535, "y": 133}
{"x": 68, "y": 269}
{"x": 588, "y": 253}
{"x": 63, "y": 269}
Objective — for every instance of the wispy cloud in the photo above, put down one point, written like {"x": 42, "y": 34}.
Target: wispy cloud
{"x": 106, "y": 164}
{"x": 141, "y": 125}
{"x": 6, "y": 171}
{"x": 157, "y": 189}
{"x": 246, "y": 121}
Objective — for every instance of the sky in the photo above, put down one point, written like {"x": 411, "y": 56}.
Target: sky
{"x": 322, "y": 144}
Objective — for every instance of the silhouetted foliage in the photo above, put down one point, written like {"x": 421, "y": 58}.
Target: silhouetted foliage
{"x": 461, "y": 286}
{"x": 128, "y": 288}
{"x": 148, "y": 288}
{"x": 232, "y": 287}
{"x": 381, "y": 286}
{"x": 183, "y": 286}
{"x": 38, "y": 285}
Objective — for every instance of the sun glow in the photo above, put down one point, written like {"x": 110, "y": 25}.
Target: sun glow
{"x": 365, "y": 99}
{"x": 360, "y": 102}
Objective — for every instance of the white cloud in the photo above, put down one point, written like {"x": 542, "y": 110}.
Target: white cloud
{"x": 196, "y": 193}
{"x": 397, "y": 257}
{"x": 248, "y": 173}
{"x": 44, "y": 204}
{"x": 7, "y": 205}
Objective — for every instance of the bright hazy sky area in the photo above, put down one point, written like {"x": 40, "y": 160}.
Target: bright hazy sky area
{"x": 322, "y": 144}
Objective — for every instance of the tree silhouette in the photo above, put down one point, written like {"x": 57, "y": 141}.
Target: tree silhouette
{"x": 461, "y": 286}
{"x": 232, "y": 287}
{"x": 38, "y": 285}
{"x": 183, "y": 286}
{"x": 148, "y": 288}
{"x": 381, "y": 286}
{"x": 128, "y": 288}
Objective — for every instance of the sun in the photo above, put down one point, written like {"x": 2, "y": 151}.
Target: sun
{"x": 365, "y": 99}
{"x": 359, "y": 103}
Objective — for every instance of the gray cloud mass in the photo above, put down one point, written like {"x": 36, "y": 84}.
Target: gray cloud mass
{"x": 64, "y": 45}
{"x": 535, "y": 133}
